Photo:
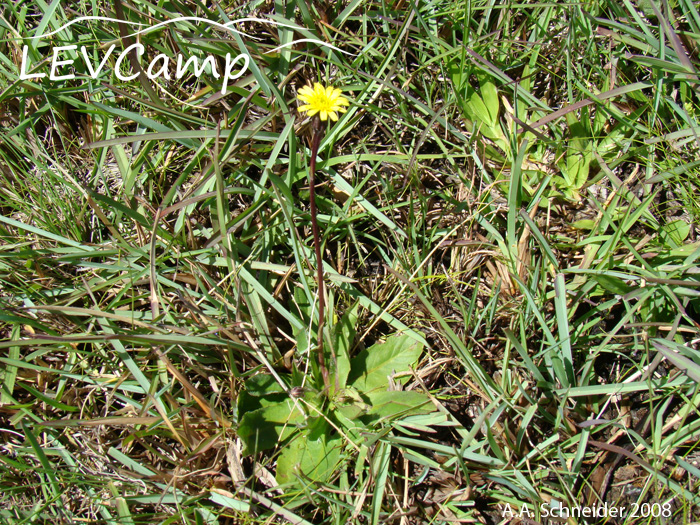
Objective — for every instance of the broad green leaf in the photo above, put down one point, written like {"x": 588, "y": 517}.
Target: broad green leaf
{"x": 578, "y": 157}
{"x": 483, "y": 117}
{"x": 344, "y": 337}
{"x": 352, "y": 412}
{"x": 350, "y": 404}
{"x": 677, "y": 231}
{"x": 352, "y": 426}
{"x": 489, "y": 95}
{"x": 263, "y": 384}
{"x": 392, "y": 404}
{"x": 301, "y": 303}
{"x": 316, "y": 459}
{"x": 263, "y": 428}
{"x": 686, "y": 250}
{"x": 459, "y": 75}
{"x": 481, "y": 105}
{"x": 250, "y": 402}
{"x": 476, "y": 109}
{"x": 372, "y": 367}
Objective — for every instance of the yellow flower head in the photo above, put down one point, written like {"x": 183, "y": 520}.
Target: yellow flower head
{"x": 325, "y": 101}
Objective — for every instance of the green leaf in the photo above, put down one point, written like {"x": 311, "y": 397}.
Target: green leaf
{"x": 677, "y": 231}
{"x": 263, "y": 384}
{"x": 350, "y": 404}
{"x": 344, "y": 337}
{"x": 250, "y": 403}
{"x": 584, "y": 224}
{"x": 372, "y": 367}
{"x": 305, "y": 456}
{"x": 686, "y": 250}
{"x": 231, "y": 503}
{"x": 612, "y": 284}
{"x": 352, "y": 426}
{"x": 301, "y": 301}
{"x": 489, "y": 95}
{"x": 673, "y": 352}
{"x": 578, "y": 157}
{"x": 263, "y": 428}
{"x": 481, "y": 105}
{"x": 351, "y": 413}
{"x": 392, "y": 404}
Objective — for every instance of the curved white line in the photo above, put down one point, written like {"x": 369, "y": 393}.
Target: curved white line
{"x": 188, "y": 19}
{"x": 82, "y": 18}
{"x": 218, "y": 24}
{"x": 178, "y": 19}
{"x": 199, "y": 19}
{"x": 325, "y": 44}
{"x": 264, "y": 20}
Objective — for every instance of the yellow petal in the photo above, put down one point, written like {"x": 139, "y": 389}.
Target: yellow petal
{"x": 324, "y": 101}
{"x": 306, "y": 91}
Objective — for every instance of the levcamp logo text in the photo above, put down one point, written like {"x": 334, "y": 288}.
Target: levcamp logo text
{"x": 63, "y": 57}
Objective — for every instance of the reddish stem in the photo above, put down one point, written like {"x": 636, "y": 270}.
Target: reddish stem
{"x": 315, "y": 142}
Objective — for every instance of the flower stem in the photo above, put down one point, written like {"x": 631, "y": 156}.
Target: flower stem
{"x": 315, "y": 142}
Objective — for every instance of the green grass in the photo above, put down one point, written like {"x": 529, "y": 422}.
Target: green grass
{"x": 513, "y": 188}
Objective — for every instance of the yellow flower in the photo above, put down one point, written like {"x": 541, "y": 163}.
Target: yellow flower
{"x": 325, "y": 101}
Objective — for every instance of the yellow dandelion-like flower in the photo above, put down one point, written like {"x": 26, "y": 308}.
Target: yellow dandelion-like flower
{"x": 326, "y": 101}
